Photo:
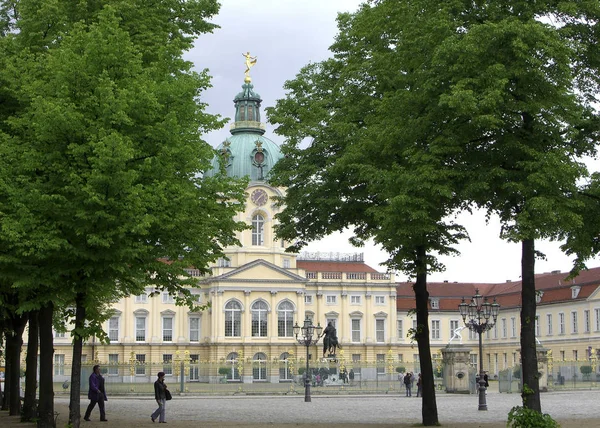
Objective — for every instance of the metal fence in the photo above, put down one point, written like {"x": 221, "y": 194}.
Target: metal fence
{"x": 250, "y": 378}
{"x": 562, "y": 375}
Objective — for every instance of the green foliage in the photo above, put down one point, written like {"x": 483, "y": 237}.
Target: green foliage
{"x": 517, "y": 372}
{"x": 301, "y": 370}
{"x": 522, "y": 417}
{"x": 225, "y": 371}
{"x": 585, "y": 370}
{"x": 401, "y": 369}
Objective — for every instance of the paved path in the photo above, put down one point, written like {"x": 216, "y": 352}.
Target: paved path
{"x": 369, "y": 409}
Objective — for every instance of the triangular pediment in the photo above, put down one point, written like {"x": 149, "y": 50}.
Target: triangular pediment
{"x": 259, "y": 271}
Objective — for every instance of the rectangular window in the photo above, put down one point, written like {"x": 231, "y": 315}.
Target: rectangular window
{"x": 537, "y": 326}
{"x": 168, "y": 364}
{"x": 574, "y": 322}
{"x": 513, "y": 327}
{"x": 586, "y": 321}
{"x": 308, "y": 299}
{"x": 59, "y": 364}
{"x": 167, "y": 298}
{"x": 435, "y": 329}
{"x": 331, "y": 300}
{"x": 400, "y": 330}
{"x": 356, "y": 330}
{"x": 356, "y": 363}
{"x": 380, "y": 364}
{"x": 140, "y": 329}
{"x": 435, "y": 303}
{"x": 59, "y": 334}
{"x": 414, "y": 324}
{"x": 474, "y": 360}
{"x": 400, "y": 358}
{"x": 194, "y": 329}
{"x": 380, "y": 330}
{"x": 355, "y": 300}
{"x": 141, "y": 298}
{"x": 453, "y": 327}
{"x": 549, "y": 324}
{"x": 495, "y": 331}
{"x": 113, "y": 329}
{"x": 286, "y": 263}
{"x": 140, "y": 364}
{"x": 503, "y": 326}
{"x": 113, "y": 364}
{"x": 597, "y": 319}
{"x": 562, "y": 355}
{"x": 167, "y": 329}
{"x": 223, "y": 262}
{"x": 333, "y": 322}
{"x": 561, "y": 323}
{"x": 473, "y": 335}
{"x": 575, "y": 355}
{"x": 380, "y": 300}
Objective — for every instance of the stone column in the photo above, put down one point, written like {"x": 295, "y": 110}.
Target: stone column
{"x": 542, "y": 359}
{"x": 455, "y": 359}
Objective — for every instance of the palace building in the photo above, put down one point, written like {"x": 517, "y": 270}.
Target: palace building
{"x": 258, "y": 292}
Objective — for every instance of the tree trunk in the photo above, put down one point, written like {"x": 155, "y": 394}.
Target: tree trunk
{"x": 46, "y": 404}
{"x": 75, "y": 397}
{"x": 31, "y": 369}
{"x": 429, "y": 406}
{"x": 14, "y": 342}
{"x": 531, "y": 385}
{"x": 6, "y": 399}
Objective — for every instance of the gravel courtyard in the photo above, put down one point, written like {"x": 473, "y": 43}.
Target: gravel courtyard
{"x": 573, "y": 409}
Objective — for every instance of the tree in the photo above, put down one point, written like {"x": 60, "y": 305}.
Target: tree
{"x": 521, "y": 77}
{"x": 377, "y": 158}
{"x": 104, "y": 162}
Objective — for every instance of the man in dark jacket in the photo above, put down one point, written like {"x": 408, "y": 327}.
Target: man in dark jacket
{"x": 160, "y": 396}
{"x": 96, "y": 394}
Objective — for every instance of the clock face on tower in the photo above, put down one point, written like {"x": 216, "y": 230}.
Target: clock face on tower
{"x": 259, "y": 197}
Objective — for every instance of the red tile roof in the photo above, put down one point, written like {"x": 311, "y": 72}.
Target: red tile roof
{"x": 556, "y": 288}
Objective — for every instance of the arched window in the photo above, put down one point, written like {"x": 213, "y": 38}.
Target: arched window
{"x": 233, "y": 319}
{"x": 232, "y": 362}
{"x": 258, "y": 230}
{"x": 285, "y": 372}
{"x": 259, "y": 367}
{"x": 285, "y": 319}
{"x": 259, "y": 319}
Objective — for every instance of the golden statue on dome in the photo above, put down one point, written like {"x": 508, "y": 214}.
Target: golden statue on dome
{"x": 250, "y": 62}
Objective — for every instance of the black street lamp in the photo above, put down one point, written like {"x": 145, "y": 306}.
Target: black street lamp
{"x": 482, "y": 317}
{"x": 310, "y": 336}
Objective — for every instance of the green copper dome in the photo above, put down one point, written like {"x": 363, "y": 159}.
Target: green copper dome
{"x": 247, "y": 153}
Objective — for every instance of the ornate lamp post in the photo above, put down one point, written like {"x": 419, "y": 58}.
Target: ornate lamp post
{"x": 482, "y": 316}
{"x": 310, "y": 336}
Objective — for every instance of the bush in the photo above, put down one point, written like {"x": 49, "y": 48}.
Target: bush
{"x": 401, "y": 369}
{"x": 225, "y": 371}
{"x": 301, "y": 370}
{"x": 585, "y": 370}
{"x": 517, "y": 372}
{"x": 521, "y": 417}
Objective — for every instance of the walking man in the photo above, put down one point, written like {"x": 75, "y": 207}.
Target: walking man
{"x": 408, "y": 385}
{"x": 96, "y": 394}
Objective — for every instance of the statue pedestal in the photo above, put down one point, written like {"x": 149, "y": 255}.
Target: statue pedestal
{"x": 456, "y": 368}
{"x": 542, "y": 359}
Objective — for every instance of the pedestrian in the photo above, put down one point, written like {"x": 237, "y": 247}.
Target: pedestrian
{"x": 96, "y": 394}
{"x": 160, "y": 394}
{"x": 407, "y": 385}
{"x": 351, "y": 375}
{"x": 486, "y": 380}
{"x": 419, "y": 386}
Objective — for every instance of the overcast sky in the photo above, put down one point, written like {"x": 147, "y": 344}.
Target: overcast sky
{"x": 288, "y": 34}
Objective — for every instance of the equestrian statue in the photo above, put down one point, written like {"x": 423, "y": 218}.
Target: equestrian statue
{"x": 330, "y": 340}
